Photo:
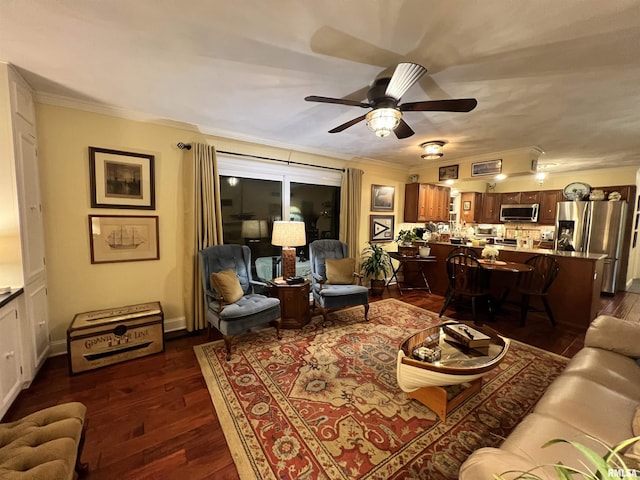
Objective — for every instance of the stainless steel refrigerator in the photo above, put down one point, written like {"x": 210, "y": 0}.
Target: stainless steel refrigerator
{"x": 594, "y": 227}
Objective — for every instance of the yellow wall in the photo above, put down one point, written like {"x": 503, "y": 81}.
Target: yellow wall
{"x": 76, "y": 285}
{"x": 516, "y": 164}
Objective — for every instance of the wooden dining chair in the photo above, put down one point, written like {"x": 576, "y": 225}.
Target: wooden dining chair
{"x": 467, "y": 279}
{"x": 466, "y": 250}
{"x": 536, "y": 283}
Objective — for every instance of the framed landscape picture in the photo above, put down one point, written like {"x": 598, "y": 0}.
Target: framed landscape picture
{"x": 116, "y": 238}
{"x": 381, "y": 228}
{"x": 382, "y": 198}
{"x": 121, "y": 179}
{"x": 491, "y": 167}
{"x": 449, "y": 172}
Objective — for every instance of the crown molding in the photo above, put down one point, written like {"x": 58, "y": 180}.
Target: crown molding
{"x": 129, "y": 114}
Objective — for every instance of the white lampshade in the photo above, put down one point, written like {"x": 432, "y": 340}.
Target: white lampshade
{"x": 382, "y": 121}
{"x": 433, "y": 150}
{"x": 254, "y": 229}
{"x": 288, "y": 234}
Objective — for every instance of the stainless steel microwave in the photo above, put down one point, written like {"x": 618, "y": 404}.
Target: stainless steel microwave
{"x": 519, "y": 213}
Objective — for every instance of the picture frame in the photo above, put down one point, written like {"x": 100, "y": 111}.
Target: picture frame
{"x": 449, "y": 172}
{"x": 466, "y": 205}
{"x": 382, "y": 198}
{"x": 489, "y": 167}
{"x": 121, "y": 179}
{"x": 381, "y": 228}
{"x": 122, "y": 238}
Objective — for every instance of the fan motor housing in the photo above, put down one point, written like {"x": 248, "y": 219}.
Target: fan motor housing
{"x": 377, "y": 95}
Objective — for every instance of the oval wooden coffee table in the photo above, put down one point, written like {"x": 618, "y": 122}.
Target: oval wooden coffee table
{"x": 458, "y": 364}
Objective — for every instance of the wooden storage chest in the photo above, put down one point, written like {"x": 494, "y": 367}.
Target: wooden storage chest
{"x": 104, "y": 337}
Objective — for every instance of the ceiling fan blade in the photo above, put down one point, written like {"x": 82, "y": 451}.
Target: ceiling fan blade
{"x": 456, "y": 105}
{"x": 348, "y": 124}
{"x": 404, "y": 76}
{"x": 340, "y": 101}
{"x": 403, "y": 130}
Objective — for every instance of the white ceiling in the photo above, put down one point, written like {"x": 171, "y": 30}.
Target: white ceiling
{"x": 561, "y": 75}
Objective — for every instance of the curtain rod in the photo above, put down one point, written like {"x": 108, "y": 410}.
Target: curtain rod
{"x": 187, "y": 146}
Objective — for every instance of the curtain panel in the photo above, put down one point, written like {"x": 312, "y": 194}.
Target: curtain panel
{"x": 203, "y": 225}
{"x": 350, "y": 205}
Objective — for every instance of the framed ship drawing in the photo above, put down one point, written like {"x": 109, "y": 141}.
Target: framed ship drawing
{"x": 116, "y": 238}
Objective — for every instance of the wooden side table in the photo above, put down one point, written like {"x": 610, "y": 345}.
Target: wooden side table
{"x": 295, "y": 311}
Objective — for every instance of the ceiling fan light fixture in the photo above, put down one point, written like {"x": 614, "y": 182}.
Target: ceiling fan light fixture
{"x": 382, "y": 121}
{"x": 433, "y": 150}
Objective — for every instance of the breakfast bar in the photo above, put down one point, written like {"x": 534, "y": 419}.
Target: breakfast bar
{"x": 574, "y": 296}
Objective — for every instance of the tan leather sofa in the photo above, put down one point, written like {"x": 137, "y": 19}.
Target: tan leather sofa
{"x": 596, "y": 395}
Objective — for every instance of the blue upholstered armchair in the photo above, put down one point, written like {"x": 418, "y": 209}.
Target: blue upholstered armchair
{"x": 251, "y": 310}
{"x": 326, "y": 295}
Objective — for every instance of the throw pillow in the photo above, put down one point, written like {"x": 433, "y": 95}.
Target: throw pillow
{"x": 227, "y": 284}
{"x": 340, "y": 270}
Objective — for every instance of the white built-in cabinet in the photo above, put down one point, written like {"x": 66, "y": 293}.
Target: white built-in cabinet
{"x": 11, "y": 372}
{"x": 20, "y": 160}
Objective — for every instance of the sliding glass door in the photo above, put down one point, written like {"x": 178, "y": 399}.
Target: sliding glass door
{"x": 256, "y": 194}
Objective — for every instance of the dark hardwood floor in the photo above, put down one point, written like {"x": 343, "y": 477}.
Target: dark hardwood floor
{"x": 153, "y": 418}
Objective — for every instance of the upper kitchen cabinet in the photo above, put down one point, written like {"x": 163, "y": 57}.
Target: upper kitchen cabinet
{"x": 415, "y": 202}
{"x": 424, "y": 202}
{"x": 516, "y": 198}
{"x": 490, "y": 212}
{"x": 512, "y": 198}
{"x": 470, "y": 207}
{"x": 548, "y": 202}
{"x": 627, "y": 192}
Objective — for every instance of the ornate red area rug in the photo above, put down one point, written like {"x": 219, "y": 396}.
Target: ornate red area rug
{"x": 323, "y": 403}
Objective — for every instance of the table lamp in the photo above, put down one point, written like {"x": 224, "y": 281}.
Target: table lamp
{"x": 288, "y": 235}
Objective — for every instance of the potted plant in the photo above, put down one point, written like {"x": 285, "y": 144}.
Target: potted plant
{"x": 407, "y": 237}
{"x": 375, "y": 263}
{"x": 613, "y": 464}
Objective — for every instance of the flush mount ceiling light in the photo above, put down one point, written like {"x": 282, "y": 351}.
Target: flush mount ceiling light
{"x": 540, "y": 177}
{"x": 433, "y": 150}
{"x": 383, "y": 121}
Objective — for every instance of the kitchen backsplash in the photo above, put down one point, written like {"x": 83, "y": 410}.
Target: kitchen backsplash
{"x": 514, "y": 230}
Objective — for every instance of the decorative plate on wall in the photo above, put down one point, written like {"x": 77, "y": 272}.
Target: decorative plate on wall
{"x": 576, "y": 191}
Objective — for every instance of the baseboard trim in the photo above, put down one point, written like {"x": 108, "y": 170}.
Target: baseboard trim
{"x": 59, "y": 347}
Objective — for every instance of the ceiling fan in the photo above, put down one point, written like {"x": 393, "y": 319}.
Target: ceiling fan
{"x": 384, "y": 100}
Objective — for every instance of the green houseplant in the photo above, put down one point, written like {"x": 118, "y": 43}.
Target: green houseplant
{"x": 610, "y": 465}
{"x": 375, "y": 263}
{"x": 406, "y": 237}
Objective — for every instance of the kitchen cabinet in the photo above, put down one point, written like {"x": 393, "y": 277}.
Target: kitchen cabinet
{"x": 548, "y": 201}
{"x": 516, "y": 198}
{"x": 424, "y": 202}
{"x": 20, "y": 158}
{"x": 470, "y": 207}
{"x": 10, "y": 353}
{"x": 529, "y": 197}
{"x": 415, "y": 202}
{"x": 627, "y": 192}
{"x": 512, "y": 198}
{"x": 490, "y": 208}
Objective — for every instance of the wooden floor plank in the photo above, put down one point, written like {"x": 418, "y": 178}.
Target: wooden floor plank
{"x": 153, "y": 418}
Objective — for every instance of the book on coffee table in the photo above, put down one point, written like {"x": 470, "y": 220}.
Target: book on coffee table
{"x": 467, "y": 336}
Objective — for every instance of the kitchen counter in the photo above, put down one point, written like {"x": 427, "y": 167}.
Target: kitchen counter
{"x": 574, "y": 296}
{"x": 533, "y": 251}
{"x": 5, "y": 298}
